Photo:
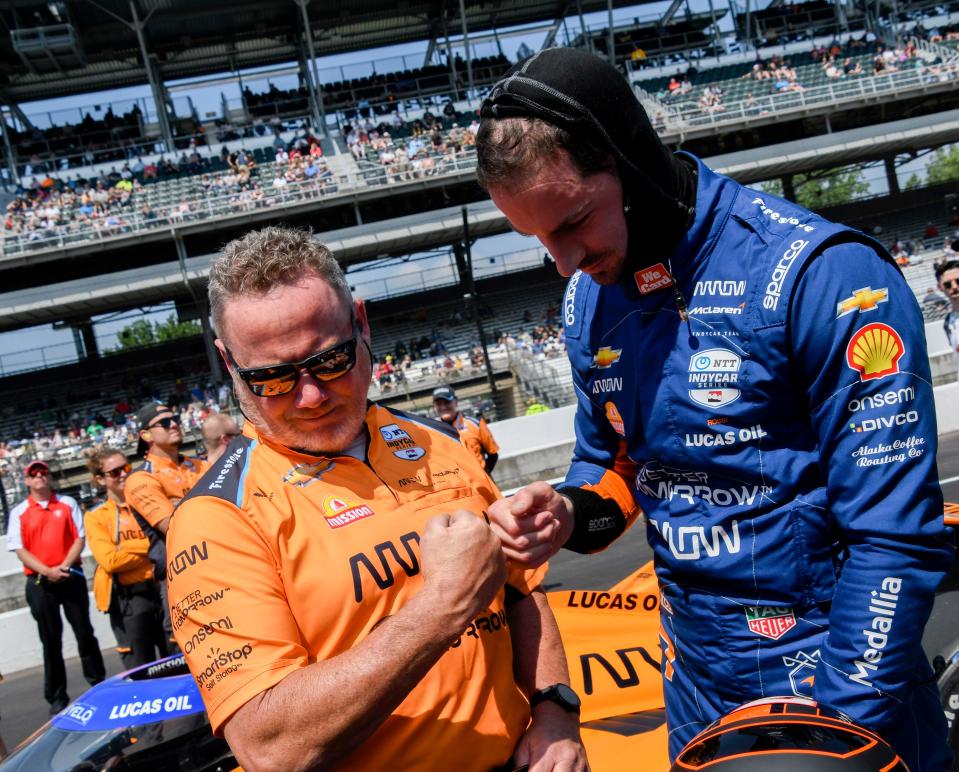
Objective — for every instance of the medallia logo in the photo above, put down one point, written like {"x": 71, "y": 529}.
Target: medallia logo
{"x": 714, "y": 377}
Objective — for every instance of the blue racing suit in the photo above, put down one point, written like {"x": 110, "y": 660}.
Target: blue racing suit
{"x": 782, "y": 445}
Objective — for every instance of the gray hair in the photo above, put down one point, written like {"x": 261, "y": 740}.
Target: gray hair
{"x": 267, "y": 258}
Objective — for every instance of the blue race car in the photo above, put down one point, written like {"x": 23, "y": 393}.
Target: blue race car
{"x": 149, "y": 718}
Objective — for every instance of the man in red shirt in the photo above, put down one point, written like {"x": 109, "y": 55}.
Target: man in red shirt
{"x": 46, "y": 532}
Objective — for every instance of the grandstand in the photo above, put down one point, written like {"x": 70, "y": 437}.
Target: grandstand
{"x": 121, "y": 208}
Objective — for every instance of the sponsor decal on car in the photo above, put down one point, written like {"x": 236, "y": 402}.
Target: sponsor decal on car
{"x": 865, "y": 299}
{"x": 874, "y": 351}
{"x": 653, "y": 279}
{"x": 606, "y": 357}
{"x": 802, "y": 672}
{"x": 80, "y": 712}
{"x": 771, "y": 622}
{"x": 713, "y": 377}
{"x": 340, "y": 512}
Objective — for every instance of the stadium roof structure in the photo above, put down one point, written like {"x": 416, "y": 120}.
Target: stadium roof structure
{"x": 158, "y": 283}
{"x": 61, "y": 47}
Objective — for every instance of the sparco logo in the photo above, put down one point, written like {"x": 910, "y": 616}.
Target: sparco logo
{"x": 775, "y": 287}
{"x": 688, "y": 542}
{"x": 883, "y": 604}
{"x": 569, "y": 300}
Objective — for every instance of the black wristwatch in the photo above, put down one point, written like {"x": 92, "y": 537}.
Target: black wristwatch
{"x": 561, "y": 694}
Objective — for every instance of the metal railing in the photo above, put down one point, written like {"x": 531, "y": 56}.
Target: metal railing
{"x": 847, "y": 90}
{"x": 211, "y": 207}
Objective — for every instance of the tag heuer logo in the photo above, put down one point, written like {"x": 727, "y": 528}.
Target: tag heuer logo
{"x": 770, "y": 621}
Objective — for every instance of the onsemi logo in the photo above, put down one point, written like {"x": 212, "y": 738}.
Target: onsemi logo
{"x": 652, "y": 279}
{"x": 874, "y": 351}
{"x": 340, "y": 512}
{"x": 864, "y": 299}
{"x": 606, "y": 357}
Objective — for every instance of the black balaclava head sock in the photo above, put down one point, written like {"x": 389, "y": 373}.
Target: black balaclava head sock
{"x": 587, "y": 97}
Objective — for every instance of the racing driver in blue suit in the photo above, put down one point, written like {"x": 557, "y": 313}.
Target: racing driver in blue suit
{"x": 752, "y": 378}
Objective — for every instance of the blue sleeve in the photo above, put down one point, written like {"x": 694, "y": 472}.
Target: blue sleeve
{"x": 859, "y": 353}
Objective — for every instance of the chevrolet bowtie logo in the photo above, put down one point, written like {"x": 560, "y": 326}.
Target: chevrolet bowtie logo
{"x": 862, "y": 300}
{"x": 606, "y": 357}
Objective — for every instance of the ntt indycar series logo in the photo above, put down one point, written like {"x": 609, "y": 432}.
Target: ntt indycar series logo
{"x": 714, "y": 377}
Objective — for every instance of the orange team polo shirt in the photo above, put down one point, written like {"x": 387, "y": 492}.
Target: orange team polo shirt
{"x": 475, "y": 435}
{"x": 120, "y": 549}
{"x": 285, "y": 559}
{"x": 153, "y": 489}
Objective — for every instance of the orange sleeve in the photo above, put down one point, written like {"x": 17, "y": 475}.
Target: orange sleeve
{"x": 245, "y": 640}
{"x": 145, "y": 494}
{"x": 615, "y": 485}
{"x": 99, "y": 535}
{"x": 486, "y": 437}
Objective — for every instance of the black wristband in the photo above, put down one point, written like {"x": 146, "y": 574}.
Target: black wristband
{"x": 598, "y": 521}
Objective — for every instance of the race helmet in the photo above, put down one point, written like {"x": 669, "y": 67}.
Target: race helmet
{"x": 788, "y": 734}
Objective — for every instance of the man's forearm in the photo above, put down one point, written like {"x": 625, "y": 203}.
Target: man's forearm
{"x": 538, "y": 656}
{"x": 31, "y": 561}
{"x": 318, "y": 715}
{"x": 74, "y": 554}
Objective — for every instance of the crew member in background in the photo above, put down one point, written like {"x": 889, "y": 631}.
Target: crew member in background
{"x": 123, "y": 585}
{"x": 46, "y": 532}
{"x": 306, "y": 658}
{"x": 157, "y": 487}
{"x": 947, "y": 275}
{"x": 473, "y": 432}
{"x": 218, "y": 430}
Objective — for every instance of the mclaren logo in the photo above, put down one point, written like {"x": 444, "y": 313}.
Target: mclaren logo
{"x": 606, "y": 357}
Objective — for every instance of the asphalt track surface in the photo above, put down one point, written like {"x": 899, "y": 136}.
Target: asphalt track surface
{"x": 23, "y": 710}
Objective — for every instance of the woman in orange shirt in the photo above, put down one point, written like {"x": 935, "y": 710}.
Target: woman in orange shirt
{"x": 123, "y": 585}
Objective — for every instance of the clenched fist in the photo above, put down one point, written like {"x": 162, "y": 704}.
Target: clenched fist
{"x": 533, "y": 525}
{"x": 463, "y": 564}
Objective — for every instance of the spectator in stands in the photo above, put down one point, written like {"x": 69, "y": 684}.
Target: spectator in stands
{"x": 219, "y": 429}
{"x": 947, "y": 276}
{"x": 165, "y": 477}
{"x": 123, "y": 586}
{"x": 473, "y": 432}
{"x": 46, "y": 532}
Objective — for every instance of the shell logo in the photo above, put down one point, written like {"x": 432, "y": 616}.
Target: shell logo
{"x": 615, "y": 419}
{"x": 874, "y": 351}
{"x": 339, "y": 511}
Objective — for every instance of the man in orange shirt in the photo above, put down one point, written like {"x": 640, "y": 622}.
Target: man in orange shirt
{"x": 157, "y": 487}
{"x": 123, "y": 585}
{"x": 331, "y": 609}
{"x": 473, "y": 432}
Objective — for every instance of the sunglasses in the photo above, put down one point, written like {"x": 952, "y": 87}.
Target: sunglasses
{"x": 951, "y": 283}
{"x": 117, "y": 473}
{"x": 165, "y": 423}
{"x": 40, "y": 473}
{"x": 277, "y": 380}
